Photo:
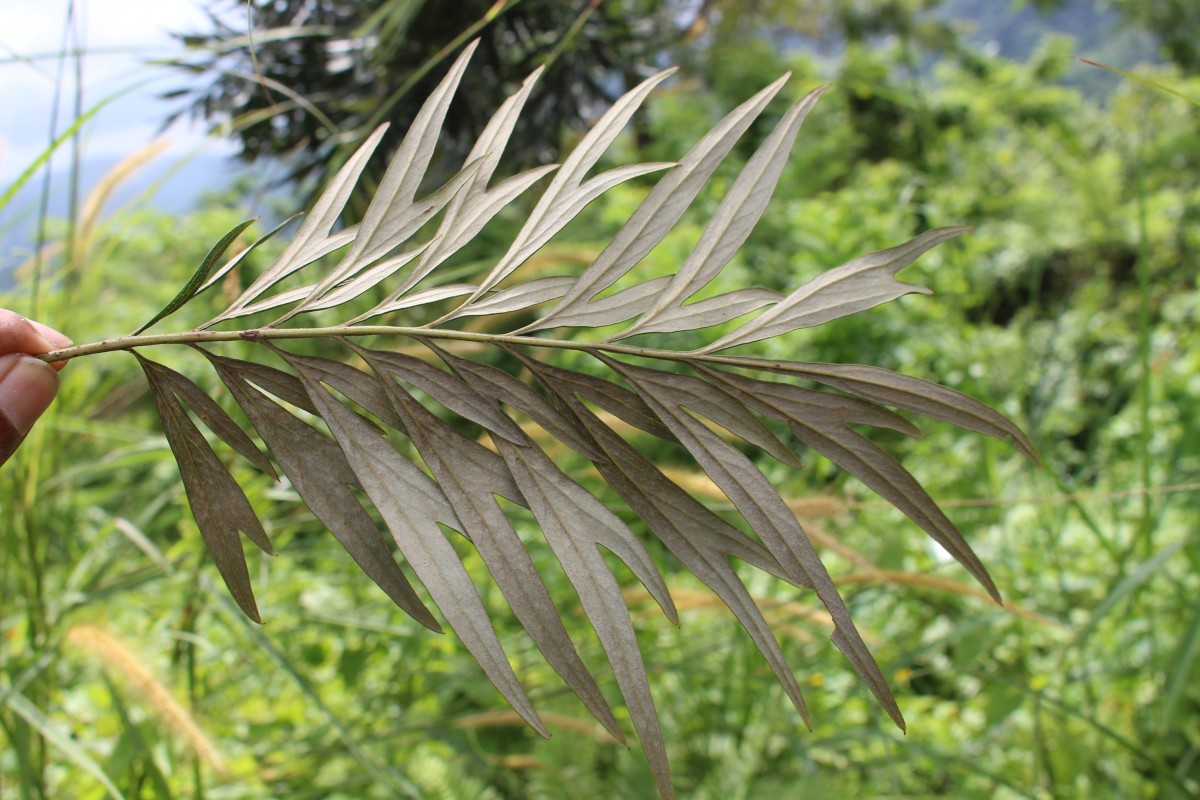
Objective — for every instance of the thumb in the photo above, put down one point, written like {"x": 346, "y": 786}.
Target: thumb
{"x": 27, "y": 385}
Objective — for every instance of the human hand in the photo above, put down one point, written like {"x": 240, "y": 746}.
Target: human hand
{"x": 27, "y": 385}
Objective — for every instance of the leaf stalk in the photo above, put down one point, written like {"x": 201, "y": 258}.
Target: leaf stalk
{"x": 191, "y": 337}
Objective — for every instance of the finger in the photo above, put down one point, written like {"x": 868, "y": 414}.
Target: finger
{"x": 19, "y": 335}
{"x": 57, "y": 340}
{"x": 27, "y": 385}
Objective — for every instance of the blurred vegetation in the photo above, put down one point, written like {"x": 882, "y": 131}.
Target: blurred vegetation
{"x": 1072, "y": 307}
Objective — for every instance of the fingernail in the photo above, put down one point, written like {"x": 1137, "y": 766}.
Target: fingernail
{"x": 27, "y": 385}
{"x": 53, "y": 337}
{"x": 54, "y": 341}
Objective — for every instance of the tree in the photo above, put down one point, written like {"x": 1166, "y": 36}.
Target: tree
{"x": 314, "y": 79}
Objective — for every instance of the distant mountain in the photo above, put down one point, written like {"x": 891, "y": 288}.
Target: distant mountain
{"x": 1017, "y": 29}
{"x": 1014, "y": 30}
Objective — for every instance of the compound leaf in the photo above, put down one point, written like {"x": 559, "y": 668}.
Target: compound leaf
{"x": 435, "y": 438}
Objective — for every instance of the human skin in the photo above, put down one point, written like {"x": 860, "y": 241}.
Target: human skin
{"x": 27, "y": 384}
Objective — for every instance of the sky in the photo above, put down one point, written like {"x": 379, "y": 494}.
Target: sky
{"x": 118, "y": 36}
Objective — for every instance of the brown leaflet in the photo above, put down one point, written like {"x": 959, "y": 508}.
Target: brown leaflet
{"x": 504, "y": 388}
{"x": 321, "y": 476}
{"x": 902, "y": 391}
{"x": 447, "y": 390}
{"x": 412, "y": 505}
{"x": 275, "y": 381}
{"x": 717, "y": 534}
{"x": 218, "y": 503}
{"x": 821, "y": 421}
{"x": 563, "y": 507}
{"x": 696, "y": 536}
{"x": 617, "y": 400}
{"x": 210, "y": 413}
{"x": 359, "y": 386}
{"x": 470, "y": 490}
{"x": 719, "y": 406}
{"x": 369, "y": 391}
{"x": 574, "y": 523}
{"x": 753, "y": 496}
{"x": 366, "y": 390}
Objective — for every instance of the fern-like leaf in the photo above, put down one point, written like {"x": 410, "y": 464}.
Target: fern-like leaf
{"x": 381, "y": 421}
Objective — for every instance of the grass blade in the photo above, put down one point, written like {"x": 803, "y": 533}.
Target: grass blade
{"x": 61, "y": 740}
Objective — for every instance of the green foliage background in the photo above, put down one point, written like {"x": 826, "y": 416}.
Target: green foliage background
{"x": 1072, "y": 308}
